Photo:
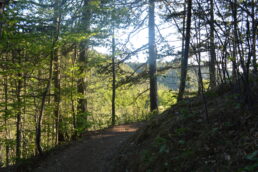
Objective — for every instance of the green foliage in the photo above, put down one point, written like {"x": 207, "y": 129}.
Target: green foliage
{"x": 82, "y": 123}
{"x": 161, "y": 144}
{"x": 95, "y": 3}
{"x": 253, "y": 157}
{"x": 181, "y": 131}
{"x": 166, "y": 98}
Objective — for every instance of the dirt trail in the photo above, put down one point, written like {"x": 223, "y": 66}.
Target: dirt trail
{"x": 92, "y": 153}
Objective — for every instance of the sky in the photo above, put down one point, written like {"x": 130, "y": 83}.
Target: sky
{"x": 168, "y": 30}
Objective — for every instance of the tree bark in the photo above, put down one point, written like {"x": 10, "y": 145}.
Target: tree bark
{"x": 183, "y": 30}
{"x": 2, "y": 5}
{"x": 18, "y": 85}
{"x": 56, "y": 76}
{"x": 234, "y": 53}
{"x": 81, "y": 85}
{"x": 83, "y": 58}
{"x": 18, "y": 118}
{"x": 113, "y": 79}
{"x": 200, "y": 79}
{"x": 74, "y": 135}
{"x": 212, "y": 63}
{"x": 6, "y": 118}
{"x": 184, "y": 61}
{"x": 254, "y": 36}
{"x": 56, "y": 23}
{"x": 152, "y": 58}
{"x": 43, "y": 101}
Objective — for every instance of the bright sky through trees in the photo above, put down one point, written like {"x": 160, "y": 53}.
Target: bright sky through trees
{"x": 166, "y": 34}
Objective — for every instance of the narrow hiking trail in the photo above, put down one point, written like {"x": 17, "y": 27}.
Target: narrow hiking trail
{"x": 92, "y": 153}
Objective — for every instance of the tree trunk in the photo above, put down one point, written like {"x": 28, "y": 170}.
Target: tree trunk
{"x": 5, "y": 119}
{"x": 234, "y": 53}
{"x": 74, "y": 135}
{"x": 18, "y": 118}
{"x": 212, "y": 63}
{"x": 152, "y": 58}
{"x": 83, "y": 55}
{"x": 200, "y": 79}
{"x": 183, "y": 30}
{"x": 254, "y": 35}
{"x": 113, "y": 79}
{"x": 43, "y": 101}
{"x": 56, "y": 76}
{"x": 57, "y": 98}
{"x": 81, "y": 84}
{"x": 53, "y": 58}
{"x": 18, "y": 85}
{"x": 184, "y": 61}
{"x": 2, "y": 5}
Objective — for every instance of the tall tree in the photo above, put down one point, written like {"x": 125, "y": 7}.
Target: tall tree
{"x": 212, "y": 62}
{"x": 113, "y": 78}
{"x": 254, "y": 34}
{"x": 184, "y": 61}
{"x": 152, "y": 58}
{"x": 56, "y": 74}
{"x": 19, "y": 112}
{"x": 52, "y": 62}
{"x": 2, "y": 6}
{"x": 6, "y": 114}
{"x": 83, "y": 55}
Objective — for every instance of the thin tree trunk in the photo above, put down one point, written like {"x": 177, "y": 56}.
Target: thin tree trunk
{"x": 57, "y": 98}
{"x": 42, "y": 106}
{"x": 56, "y": 75}
{"x": 18, "y": 119}
{"x": 183, "y": 30}
{"x": 152, "y": 58}
{"x": 235, "y": 40}
{"x": 212, "y": 63}
{"x": 74, "y": 135}
{"x": 200, "y": 79}
{"x": 53, "y": 58}
{"x": 206, "y": 116}
{"x": 24, "y": 109}
{"x": 238, "y": 44}
{"x": 18, "y": 107}
{"x": 184, "y": 61}
{"x": 240, "y": 49}
{"x": 5, "y": 120}
{"x": 2, "y": 6}
{"x": 113, "y": 79}
{"x": 254, "y": 35}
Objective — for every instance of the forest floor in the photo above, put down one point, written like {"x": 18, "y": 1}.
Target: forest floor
{"x": 183, "y": 139}
{"x": 92, "y": 153}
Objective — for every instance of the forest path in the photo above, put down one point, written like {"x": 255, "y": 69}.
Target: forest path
{"x": 92, "y": 153}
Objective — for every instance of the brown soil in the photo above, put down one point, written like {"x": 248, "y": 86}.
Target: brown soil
{"x": 92, "y": 153}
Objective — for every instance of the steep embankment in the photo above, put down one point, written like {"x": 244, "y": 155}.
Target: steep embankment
{"x": 181, "y": 140}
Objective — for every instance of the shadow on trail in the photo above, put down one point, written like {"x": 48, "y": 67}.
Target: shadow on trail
{"x": 92, "y": 153}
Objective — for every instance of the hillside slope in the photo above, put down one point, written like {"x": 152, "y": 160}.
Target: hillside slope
{"x": 181, "y": 140}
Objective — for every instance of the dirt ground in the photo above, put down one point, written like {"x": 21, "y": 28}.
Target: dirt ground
{"x": 90, "y": 154}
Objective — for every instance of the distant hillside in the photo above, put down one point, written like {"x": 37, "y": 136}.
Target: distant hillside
{"x": 170, "y": 77}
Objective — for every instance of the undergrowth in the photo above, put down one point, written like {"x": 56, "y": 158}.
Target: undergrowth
{"x": 182, "y": 140}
